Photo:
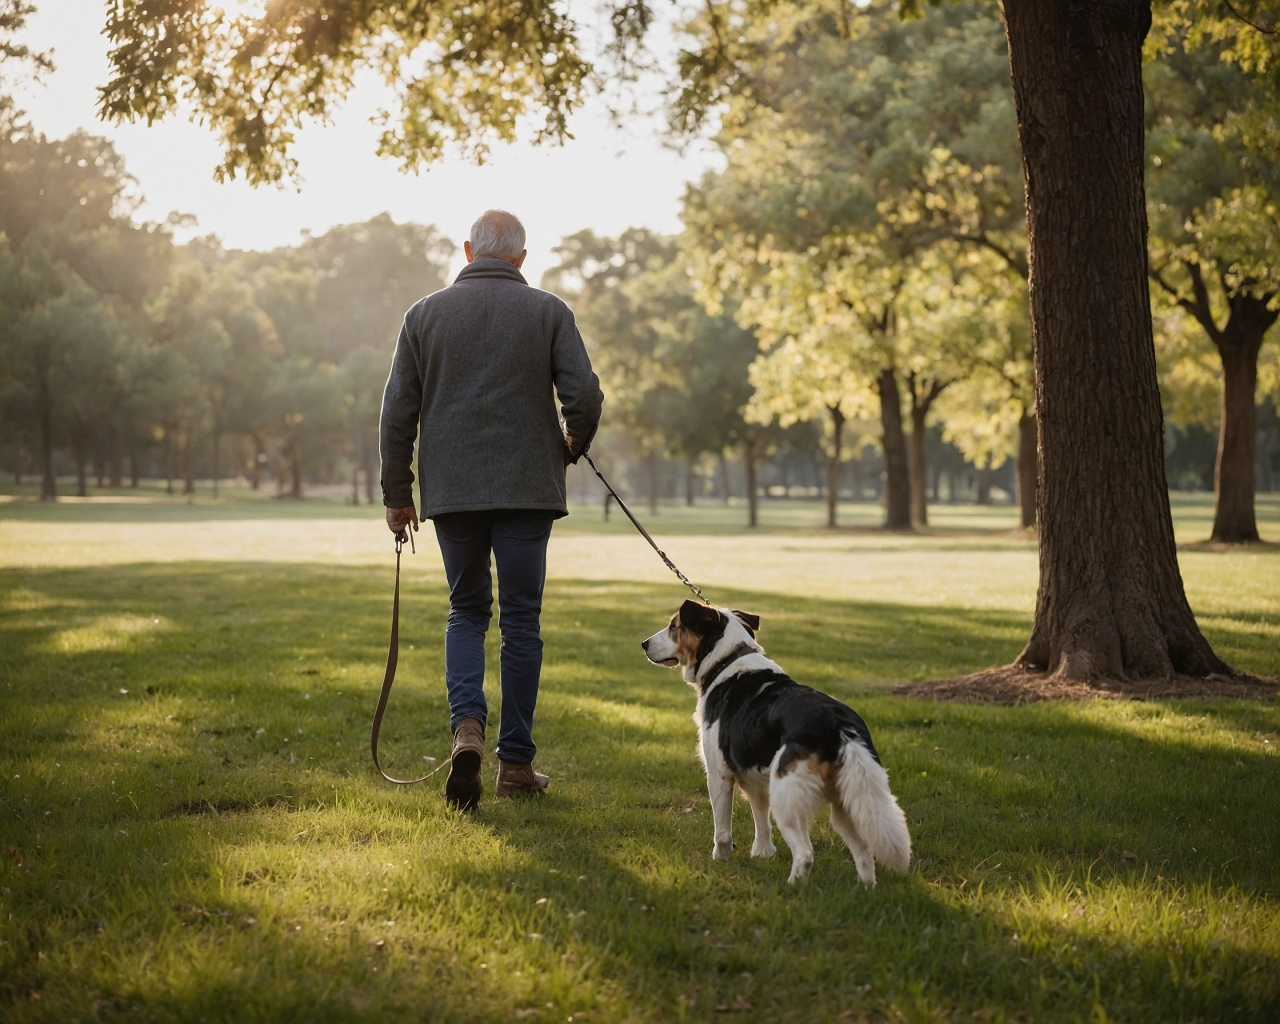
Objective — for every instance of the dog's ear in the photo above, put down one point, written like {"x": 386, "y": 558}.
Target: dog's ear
{"x": 698, "y": 618}
{"x": 752, "y": 622}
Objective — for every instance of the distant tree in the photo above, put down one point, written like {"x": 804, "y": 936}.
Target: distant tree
{"x": 1214, "y": 206}
{"x": 79, "y": 270}
{"x": 856, "y": 145}
{"x": 598, "y": 277}
{"x": 364, "y": 374}
{"x": 311, "y": 408}
{"x": 675, "y": 375}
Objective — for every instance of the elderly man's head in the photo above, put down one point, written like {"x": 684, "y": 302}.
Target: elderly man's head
{"x": 496, "y": 235}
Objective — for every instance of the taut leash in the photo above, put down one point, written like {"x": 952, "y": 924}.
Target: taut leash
{"x": 645, "y": 533}
{"x": 393, "y": 657}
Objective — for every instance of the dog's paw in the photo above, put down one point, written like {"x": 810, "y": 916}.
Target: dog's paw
{"x": 722, "y": 851}
{"x": 800, "y": 871}
{"x": 764, "y": 851}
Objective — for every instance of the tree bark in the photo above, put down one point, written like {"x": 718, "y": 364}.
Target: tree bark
{"x": 1028, "y": 468}
{"x": 833, "y": 464}
{"x": 1110, "y": 602}
{"x": 749, "y": 471}
{"x": 652, "y": 465}
{"x": 897, "y": 484}
{"x": 724, "y": 478}
{"x": 688, "y": 482}
{"x": 295, "y": 467}
{"x": 133, "y": 471}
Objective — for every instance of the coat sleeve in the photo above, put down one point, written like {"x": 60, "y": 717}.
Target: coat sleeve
{"x": 577, "y": 386}
{"x": 398, "y": 426}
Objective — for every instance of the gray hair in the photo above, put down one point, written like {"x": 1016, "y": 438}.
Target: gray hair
{"x": 497, "y": 234}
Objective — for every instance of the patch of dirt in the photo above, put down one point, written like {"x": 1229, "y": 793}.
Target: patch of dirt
{"x": 1013, "y": 684}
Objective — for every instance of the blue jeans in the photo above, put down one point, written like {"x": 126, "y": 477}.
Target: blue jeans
{"x": 518, "y": 539}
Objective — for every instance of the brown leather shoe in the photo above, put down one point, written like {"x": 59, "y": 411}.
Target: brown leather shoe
{"x": 519, "y": 779}
{"x": 464, "y": 786}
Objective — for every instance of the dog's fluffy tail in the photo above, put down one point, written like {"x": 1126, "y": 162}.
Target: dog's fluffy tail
{"x": 863, "y": 787}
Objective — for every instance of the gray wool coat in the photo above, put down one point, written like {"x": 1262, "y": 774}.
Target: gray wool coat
{"x": 473, "y": 375}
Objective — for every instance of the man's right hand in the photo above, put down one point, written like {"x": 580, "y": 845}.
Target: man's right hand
{"x": 400, "y": 519}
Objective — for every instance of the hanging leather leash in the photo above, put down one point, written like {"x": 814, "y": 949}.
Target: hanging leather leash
{"x": 393, "y": 657}
{"x": 643, "y": 532}
{"x": 393, "y": 651}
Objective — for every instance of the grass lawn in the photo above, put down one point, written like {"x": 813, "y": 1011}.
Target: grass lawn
{"x": 191, "y": 828}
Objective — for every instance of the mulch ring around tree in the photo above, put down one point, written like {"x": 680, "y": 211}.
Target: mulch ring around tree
{"x": 1012, "y": 684}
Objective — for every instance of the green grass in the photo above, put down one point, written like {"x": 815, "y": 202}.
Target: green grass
{"x": 213, "y": 843}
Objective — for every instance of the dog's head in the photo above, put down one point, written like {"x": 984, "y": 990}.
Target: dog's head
{"x": 695, "y": 632}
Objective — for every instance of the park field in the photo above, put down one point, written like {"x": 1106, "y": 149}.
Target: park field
{"x": 191, "y": 828}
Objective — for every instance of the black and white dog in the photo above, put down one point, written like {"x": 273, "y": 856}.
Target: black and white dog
{"x": 791, "y": 748}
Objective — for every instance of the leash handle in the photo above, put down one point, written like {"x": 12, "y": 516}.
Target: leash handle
{"x": 697, "y": 592}
{"x": 393, "y": 657}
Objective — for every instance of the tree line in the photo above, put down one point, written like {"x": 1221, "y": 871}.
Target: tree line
{"x": 1091, "y": 112}
{"x": 127, "y": 352}
{"x": 858, "y": 268}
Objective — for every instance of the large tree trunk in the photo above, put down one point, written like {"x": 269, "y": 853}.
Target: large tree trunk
{"x": 897, "y": 484}
{"x": 295, "y": 469}
{"x": 688, "y": 482}
{"x": 1110, "y": 601}
{"x": 749, "y": 468}
{"x": 133, "y": 471}
{"x": 833, "y": 464}
{"x": 1234, "y": 520}
{"x": 1028, "y": 467}
{"x": 651, "y": 464}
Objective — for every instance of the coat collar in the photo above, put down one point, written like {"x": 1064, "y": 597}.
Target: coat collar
{"x": 490, "y": 268}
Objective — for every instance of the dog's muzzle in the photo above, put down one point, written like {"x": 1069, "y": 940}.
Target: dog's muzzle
{"x": 660, "y": 649}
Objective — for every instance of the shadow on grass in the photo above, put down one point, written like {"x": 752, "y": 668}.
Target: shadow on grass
{"x": 213, "y": 843}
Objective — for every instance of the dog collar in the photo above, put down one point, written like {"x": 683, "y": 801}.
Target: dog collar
{"x": 741, "y": 651}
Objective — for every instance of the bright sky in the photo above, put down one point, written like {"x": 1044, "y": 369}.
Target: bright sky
{"x": 605, "y": 179}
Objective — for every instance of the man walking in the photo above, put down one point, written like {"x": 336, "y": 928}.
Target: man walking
{"x": 473, "y": 376}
